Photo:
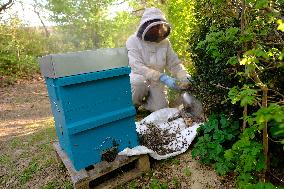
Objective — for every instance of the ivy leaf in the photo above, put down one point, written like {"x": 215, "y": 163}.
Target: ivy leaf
{"x": 233, "y": 60}
{"x": 247, "y": 100}
{"x": 258, "y": 52}
{"x": 273, "y": 52}
{"x": 211, "y": 125}
{"x": 249, "y": 120}
{"x": 219, "y": 136}
{"x": 281, "y": 25}
{"x": 234, "y": 94}
{"x": 272, "y": 112}
{"x": 245, "y": 177}
{"x": 260, "y": 4}
{"x": 279, "y": 131}
{"x": 235, "y": 125}
{"x": 260, "y": 165}
{"x": 224, "y": 122}
{"x": 249, "y": 69}
{"x": 221, "y": 168}
{"x": 229, "y": 154}
{"x": 246, "y": 95}
{"x": 244, "y": 61}
{"x": 229, "y": 137}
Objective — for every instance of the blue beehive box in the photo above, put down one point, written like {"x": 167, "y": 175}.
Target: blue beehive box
{"x": 93, "y": 111}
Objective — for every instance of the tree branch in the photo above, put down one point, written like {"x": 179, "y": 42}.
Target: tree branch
{"x": 138, "y": 10}
{"x": 276, "y": 141}
{"x": 281, "y": 180}
{"x": 119, "y": 3}
{"x": 273, "y": 43}
{"x": 6, "y": 5}
{"x": 220, "y": 86}
{"x": 36, "y": 6}
{"x": 278, "y": 35}
{"x": 243, "y": 16}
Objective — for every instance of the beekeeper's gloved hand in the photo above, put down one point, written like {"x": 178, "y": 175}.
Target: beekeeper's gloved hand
{"x": 186, "y": 82}
{"x": 189, "y": 79}
{"x": 169, "y": 81}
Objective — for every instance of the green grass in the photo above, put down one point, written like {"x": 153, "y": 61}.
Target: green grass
{"x": 35, "y": 159}
{"x": 176, "y": 182}
{"x": 54, "y": 184}
{"x": 171, "y": 161}
{"x": 50, "y": 185}
{"x": 187, "y": 172}
{"x": 28, "y": 173}
{"x": 133, "y": 184}
{"x": 36, "y": 155}
{"x": 156, "y": 184}
{"x": 15, "y": 143}
{"x": 5, "y": 159}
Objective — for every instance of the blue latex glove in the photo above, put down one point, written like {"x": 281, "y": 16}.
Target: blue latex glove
{"x": 169, "y": 81}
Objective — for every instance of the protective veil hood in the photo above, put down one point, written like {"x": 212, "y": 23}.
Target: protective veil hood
{"x": 150, "y": 18}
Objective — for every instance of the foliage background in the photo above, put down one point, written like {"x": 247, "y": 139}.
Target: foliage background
{"x": 80, "y": 25}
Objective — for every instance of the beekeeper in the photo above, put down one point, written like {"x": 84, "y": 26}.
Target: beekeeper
{"x": 150, "y": 54}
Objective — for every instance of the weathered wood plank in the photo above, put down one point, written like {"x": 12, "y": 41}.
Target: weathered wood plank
{"x": 82, "y": 179}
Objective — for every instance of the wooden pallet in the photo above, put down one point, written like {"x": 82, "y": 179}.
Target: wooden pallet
{"x": 105, "y": 175}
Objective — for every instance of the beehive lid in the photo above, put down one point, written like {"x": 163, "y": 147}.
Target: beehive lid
{"x": 73, "y": 63}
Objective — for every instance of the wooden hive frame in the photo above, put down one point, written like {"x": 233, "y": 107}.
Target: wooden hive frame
{"x": 105, "y": 175}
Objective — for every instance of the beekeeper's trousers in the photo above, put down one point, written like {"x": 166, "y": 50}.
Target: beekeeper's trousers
{"x": 152, "y": 95}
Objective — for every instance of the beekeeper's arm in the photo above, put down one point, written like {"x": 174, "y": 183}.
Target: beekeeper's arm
{"x": 174, "y": 65}
{"x": 136, "y": 62}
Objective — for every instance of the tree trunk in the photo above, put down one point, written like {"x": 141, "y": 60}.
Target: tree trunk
{"x": 265, "y": 133}
{"x": 264, "y": 90}
{"x": 245, "y": 113}
{"x": 95, "y": 38}
{"x": 243, "y": 9}
{"x": 243, "y": 16}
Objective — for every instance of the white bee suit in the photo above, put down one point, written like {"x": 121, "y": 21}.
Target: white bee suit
{"x": 148, "y": 61}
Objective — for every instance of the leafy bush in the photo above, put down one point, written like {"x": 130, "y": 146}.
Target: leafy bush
{"x": 237, "y": 47}
{"x": 18, "y": 50}
{"x": 215, "y": 136}
{"x": 213, "y": 73}
{"x": 218, "y": 145}
{"x": 246, "y": 156}
{"x": 81, "y": 25}
{"x": 216, "y": 42}
{"x": 259, "y": 185}
{"x": 274, "y": 115}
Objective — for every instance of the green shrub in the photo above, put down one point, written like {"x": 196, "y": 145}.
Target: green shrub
{"x": 214, "y": 137}
{"x": 259, "y": 185}
{"x": 19, "y": 51}
{"x": 246, "y": 155}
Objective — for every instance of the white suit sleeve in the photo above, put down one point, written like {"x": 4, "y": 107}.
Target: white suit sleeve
{"x": 174, "y": 65}
{"x": 136, "y": 62}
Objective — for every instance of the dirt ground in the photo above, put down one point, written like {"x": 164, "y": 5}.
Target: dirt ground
{"x": 28, "y": 160}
